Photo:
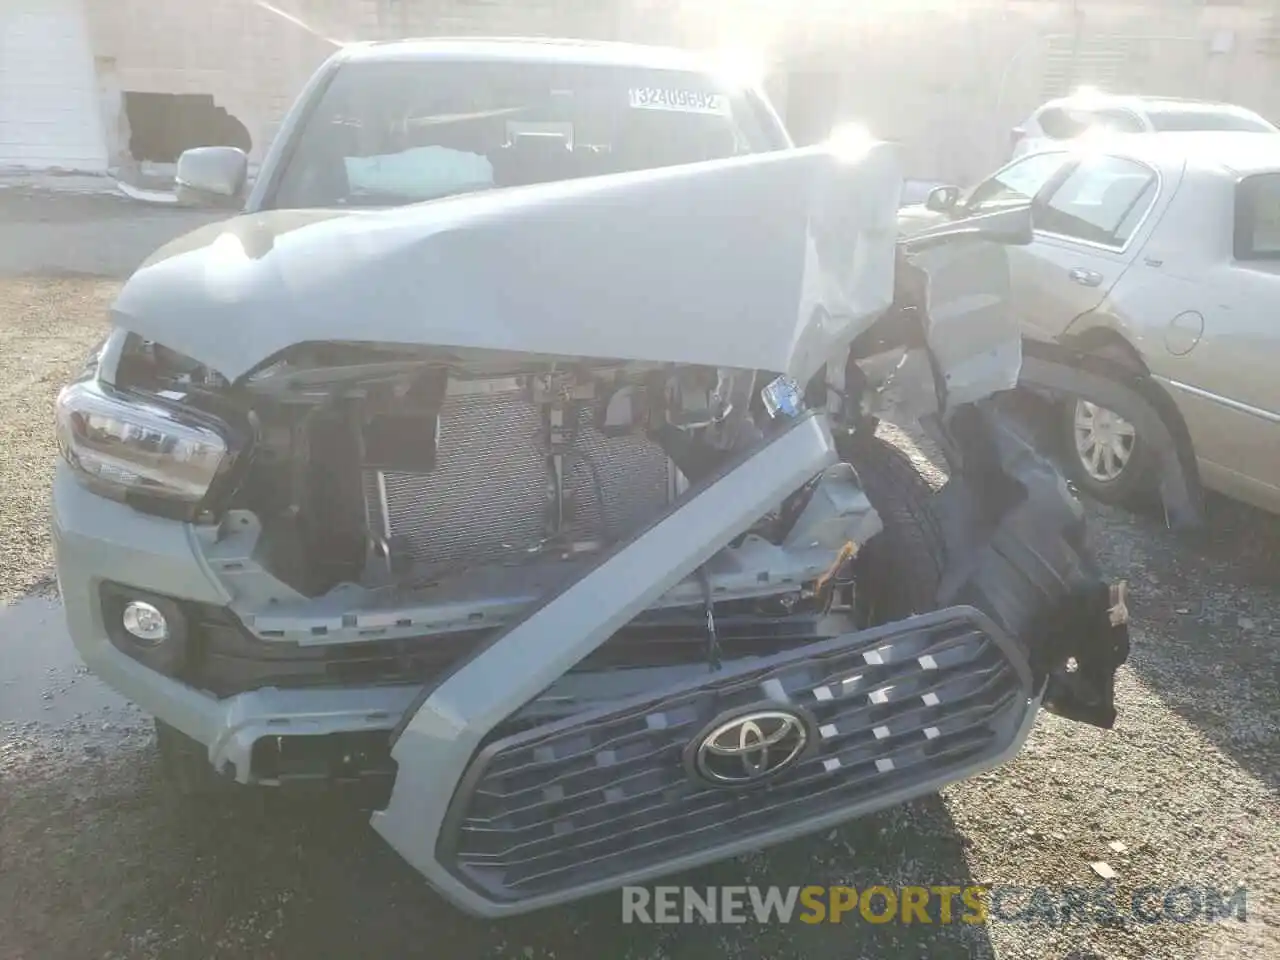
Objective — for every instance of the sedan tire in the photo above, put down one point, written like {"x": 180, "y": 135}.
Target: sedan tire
{"x": 1102, "y": 453}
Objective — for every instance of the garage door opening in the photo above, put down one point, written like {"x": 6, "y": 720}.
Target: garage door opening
{"x": 162, "y": 125}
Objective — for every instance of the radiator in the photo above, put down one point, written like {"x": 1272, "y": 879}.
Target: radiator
{"x": 489, "y": 496}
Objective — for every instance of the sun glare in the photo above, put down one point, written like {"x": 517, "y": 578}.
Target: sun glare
{"x": 849, "y": 140}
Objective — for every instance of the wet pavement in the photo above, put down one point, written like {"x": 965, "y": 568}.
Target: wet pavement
{"x": 42, "y": 680}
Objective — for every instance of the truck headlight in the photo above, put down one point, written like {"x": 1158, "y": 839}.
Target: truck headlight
{"x": 141, "y": 449}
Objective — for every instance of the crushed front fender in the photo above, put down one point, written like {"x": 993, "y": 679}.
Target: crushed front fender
{"x": 1015, "y": 549}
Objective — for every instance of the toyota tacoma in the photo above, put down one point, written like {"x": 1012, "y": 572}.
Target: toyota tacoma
{"x": 511, "y": 459}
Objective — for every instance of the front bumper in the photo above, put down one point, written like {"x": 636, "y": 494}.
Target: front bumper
{"x": 516, "y": 777}
{"x": 99, "y": 541}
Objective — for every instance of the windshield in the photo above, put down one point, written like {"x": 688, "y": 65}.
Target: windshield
{"x": 1173, "y": 120}
{"x": 1016, "y": 184}
{"x": 391, "y": 133}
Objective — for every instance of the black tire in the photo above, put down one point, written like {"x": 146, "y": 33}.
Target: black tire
{"x": 897, "y": 572}
{"x": 1135, "y": 480}
{"x": 184, "y": 762}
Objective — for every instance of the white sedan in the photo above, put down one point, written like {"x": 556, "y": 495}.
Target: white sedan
{"x": 1088, "y": 111}
{"x": 1161, "y": 252}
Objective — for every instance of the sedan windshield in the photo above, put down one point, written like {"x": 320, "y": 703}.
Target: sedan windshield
{"x": 392, "y": 133}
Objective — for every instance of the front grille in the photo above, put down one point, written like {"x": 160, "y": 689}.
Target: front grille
{"x": 893, "y": 711}
{"x": 489, "y": 496}
{"x": 227, "y": 659}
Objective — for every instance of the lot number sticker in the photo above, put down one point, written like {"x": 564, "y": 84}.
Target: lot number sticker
{"x": 680, "y": 101}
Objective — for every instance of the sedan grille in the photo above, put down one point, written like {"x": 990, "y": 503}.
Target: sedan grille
{"x": 891, "y": 713}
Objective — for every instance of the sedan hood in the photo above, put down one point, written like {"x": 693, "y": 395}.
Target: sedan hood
{"x": 768, "y": 262}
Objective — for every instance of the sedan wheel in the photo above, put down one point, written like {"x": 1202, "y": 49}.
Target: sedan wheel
{"x": 1104, "y": 442}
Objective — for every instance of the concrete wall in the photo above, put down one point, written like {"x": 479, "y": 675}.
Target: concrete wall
{"x": 253, "y": 60}
{"x": 546, "y": 18}
{"x": 250, "y": 60}
{"x": 948, "y": 79}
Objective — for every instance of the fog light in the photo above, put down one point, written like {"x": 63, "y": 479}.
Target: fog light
{"x": 145, "y": 622}
{"x": 149, "y": 627}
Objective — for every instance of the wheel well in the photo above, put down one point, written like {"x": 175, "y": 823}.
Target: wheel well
{"x": 1105, "y": 341}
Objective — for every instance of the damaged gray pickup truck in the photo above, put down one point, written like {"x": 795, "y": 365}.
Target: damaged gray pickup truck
{"x": 550, "y": 514}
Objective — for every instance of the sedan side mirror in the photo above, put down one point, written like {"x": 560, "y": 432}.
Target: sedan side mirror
{"x": 942, "y": 199}
{"x": 211, "y": 176}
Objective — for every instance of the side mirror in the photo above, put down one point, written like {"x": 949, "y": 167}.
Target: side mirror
{"x": 942, "y": 199}
{"x": 211, "y": 176}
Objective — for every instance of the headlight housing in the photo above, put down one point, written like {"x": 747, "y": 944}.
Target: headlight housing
{"x": 144, "y": 450}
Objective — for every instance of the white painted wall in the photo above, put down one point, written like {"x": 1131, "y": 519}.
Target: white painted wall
{"x": 49, "y": 104}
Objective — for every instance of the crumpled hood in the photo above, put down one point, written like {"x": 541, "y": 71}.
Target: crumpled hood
{"x": 766, "y": 262}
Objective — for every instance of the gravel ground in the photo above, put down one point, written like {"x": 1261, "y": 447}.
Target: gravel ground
{"x": 98, "y": 863}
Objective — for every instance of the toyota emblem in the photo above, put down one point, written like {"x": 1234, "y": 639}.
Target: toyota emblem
{"x": 750, "y": 747}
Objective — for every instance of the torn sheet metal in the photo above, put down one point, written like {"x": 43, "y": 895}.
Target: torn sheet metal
{"x": 971, "y": 331}
{"x": 972, "y": 344}
{"x": 1013, "y": 534}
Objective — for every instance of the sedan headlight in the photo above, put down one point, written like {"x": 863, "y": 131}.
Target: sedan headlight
{"x": 141, "y": 449}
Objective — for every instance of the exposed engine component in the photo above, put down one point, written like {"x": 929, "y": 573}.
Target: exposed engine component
{"x": 371, "y": 462}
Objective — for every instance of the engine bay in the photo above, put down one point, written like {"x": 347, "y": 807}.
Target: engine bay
{"x": 379, "y": 467}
